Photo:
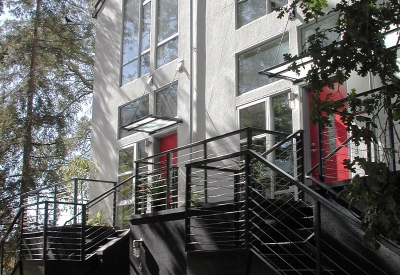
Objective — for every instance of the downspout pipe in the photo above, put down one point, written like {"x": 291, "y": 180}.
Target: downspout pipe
{"x": 191, "y": 79}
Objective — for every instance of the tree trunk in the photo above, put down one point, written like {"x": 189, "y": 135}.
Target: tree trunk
{"x": 27, "y": 146}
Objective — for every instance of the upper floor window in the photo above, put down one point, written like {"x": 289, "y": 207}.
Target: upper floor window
{"x": 131, "y": 112}
{"x": 167, "y": 31}
{"x": 167, "y": 101}
{"x": 325, "y": 26}
{"x": 250, "y": 10}
{"x": 136, "y": 42}
{"x": 260, "y": 58}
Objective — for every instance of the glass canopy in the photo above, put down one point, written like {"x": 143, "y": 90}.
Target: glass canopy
{"x": 151, "y": 124}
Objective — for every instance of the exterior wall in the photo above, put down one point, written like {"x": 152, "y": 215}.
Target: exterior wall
{"x": 207, "y": 89}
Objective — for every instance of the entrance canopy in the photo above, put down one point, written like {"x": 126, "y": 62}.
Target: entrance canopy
{"x": 151, "y": 124}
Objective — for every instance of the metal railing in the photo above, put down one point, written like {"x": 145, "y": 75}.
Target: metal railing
{"x": 160, "y": 182}
{"x": 53, "y": 223}
{"x": 288, "y": 234}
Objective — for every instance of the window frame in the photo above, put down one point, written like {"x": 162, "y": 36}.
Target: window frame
{"x": 268, "y": 10}
{"x": 120, "y": 132}
{"x": 249, "y": 49}
{"x": 165, "y": 88}
{"x": 161, "y": 43}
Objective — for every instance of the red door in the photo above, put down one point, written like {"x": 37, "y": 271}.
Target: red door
{"x": 167, "y": 143}
{"x": 332, "y": 138}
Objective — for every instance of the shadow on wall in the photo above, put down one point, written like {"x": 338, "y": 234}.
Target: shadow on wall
{"x": 163, "y": 249}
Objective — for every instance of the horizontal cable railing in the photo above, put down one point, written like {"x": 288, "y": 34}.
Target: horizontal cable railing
{"x": 160, "y": 178}
{"x": 286, "y": 232}
{"x": 51, "y": 223}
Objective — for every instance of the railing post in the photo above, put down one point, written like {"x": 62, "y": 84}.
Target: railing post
{"x": 391, "y": 138}
{"x": 300, "y": 156}
{"x": 236, "y": 190}
{"x": 2, "y": 256}
{"x": 83, "y": 230}
{"x": 55, "y": 206}
{"x": 114, "y": 213}
{"x": 249, "y": 133}
{"x": 187, "y": 206}
{"x": 75, "y": 199}
{"x": 320, "y": 149}
{"x": 137, "y": 181}
{"x": 46, "y": 217}
{"x": 317, "y": 225}
{"x": 247, "y": 197}
{"x": 205, "y": 174}
{"x": 168, "y": 178}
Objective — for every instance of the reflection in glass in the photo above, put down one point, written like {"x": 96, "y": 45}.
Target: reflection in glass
{"x": 167, "y": 52}
{"x": 323, "y": 25}
{"x": 146, "y": 20}
{"x": 125, "y": 163}
{"x": 131, "y": 112}
{"x": 278, "y": 4}
{"x": 283, "y": 123}
{"x": 260, "y": 58}
{"x": 131, "y": 30}
{"x": 167, "y": 19}
{"x": 167, "y": 101}
{"x": 250, "y": 10}
{"x": 129, "y": 72}
{"x": 253, "y": 116}
{"x": 145, "y": 64}
{"x": 126, "y": 189}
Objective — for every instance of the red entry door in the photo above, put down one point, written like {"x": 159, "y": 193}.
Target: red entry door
{"x": 168, "y": 143}
{"x": 332, "y": 138}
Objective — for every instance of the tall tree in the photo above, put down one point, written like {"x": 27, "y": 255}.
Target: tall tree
{"x": 46, "y": 70}
{"x": 358, "y": 47}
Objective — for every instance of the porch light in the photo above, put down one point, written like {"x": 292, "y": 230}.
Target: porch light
{"x": 282, "y": 70}
{"x": 136, "y": 244}
{"x": 151, "y": 124}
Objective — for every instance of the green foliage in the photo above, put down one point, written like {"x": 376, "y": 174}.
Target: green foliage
{"x": 46, "y": 71}
{"x": 98, "y": 220}
{"x": 359, "y": 48}
{"x": 381, "y": 213}
{"x": 79, "y": 167}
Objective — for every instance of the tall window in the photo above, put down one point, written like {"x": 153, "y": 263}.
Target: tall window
{"x": 167, "y": 101}
{"x": 136, "y": 57}
{"x": 167, "y": 31}
{"x": 131, "y": 112}
{"x": 136, "y": 40}
{"x": 250, "y": 10}
{"x": 127, "y": 156}
{"x": 260, "y": 58}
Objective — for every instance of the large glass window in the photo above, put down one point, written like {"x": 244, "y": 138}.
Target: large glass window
{"x": 260, "y": 58}
{"x": 324, "y": 26}
{"x": 131, "y": 112}
{"x": 136, "y": 40}
{"x": 250, "y": 10}
{"x": 167, "y": 31}
{"x": 136, "y": 60}
{"x": 167, "y": 101}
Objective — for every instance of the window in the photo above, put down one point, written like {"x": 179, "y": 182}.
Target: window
{"x": 324, "y": 24}
{"x": 260, "y": 58}
{"x": 136, "y": 57}
{"x": 126, "y": 159}
{"x": 167, "y": 31}
{"x": 132, "y": 112}
{"x": 167, "y": 101}
{"x": 250, "y": 10}
{"x": 136, "y": 40}
{"x": 272, "y": 113}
